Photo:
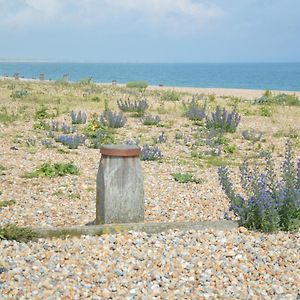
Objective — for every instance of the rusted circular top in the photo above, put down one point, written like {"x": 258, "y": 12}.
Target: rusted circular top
{"x": 120, "y": 150}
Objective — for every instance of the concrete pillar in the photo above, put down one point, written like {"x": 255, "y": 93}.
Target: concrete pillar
{"x": 42, "y": 77}
{"x": 120, "y": 185}
{"x": 114, "y": 82}
{"x": 17, "y": 76}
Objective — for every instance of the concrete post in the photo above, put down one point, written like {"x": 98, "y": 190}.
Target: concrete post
{"x": 42, "y": 77}
{"x": 17, "y": 76}
{"x": 120, "y": 185}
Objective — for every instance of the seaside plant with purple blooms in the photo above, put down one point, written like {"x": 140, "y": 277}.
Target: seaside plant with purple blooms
{"x": 150, "y": 120}
{"x": 196, "y": 112}
{"x": 221, "y": 118}
{"x": 66, "y": 129}
{"x": 139, "y": 107}
{"x": 79, "y": 117}
{"x": 150, "y": 153}
{"x": 160, "y": 139}
{"x": 72, "y": 141}
{"x": 112, "y": 119}
{"x": 147, "y": 152}
{"x": 269, "y": 203}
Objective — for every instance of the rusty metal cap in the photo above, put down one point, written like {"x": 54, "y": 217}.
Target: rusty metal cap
{"x": 120, "y": 150}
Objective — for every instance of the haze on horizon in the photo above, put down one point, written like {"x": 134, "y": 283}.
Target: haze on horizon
{"x": 150, "y": 30}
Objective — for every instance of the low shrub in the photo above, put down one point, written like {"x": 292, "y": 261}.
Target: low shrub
{"x": 66, "y": 129}
{"x": 55, "y": 170}
{"x": 269, "y": 203}
{"x": 224, "y": 120}
{"x": 151, "y": 120}
{"x": 138, "y": 107}
{"x": 18, "y": 94}
{"x": 42, "y": 113}
{"x": 140, "y": 84}
{"x": 160, "y": 139}
{"x": 79, "y": 117}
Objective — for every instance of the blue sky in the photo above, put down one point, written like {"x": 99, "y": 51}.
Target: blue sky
{"x": 150, "y": 30}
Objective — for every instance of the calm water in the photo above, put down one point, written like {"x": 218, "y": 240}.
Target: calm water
{"x": 275, "y": 76}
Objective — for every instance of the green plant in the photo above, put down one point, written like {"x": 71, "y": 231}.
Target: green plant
{"x": 268, "y": 203}
{"x": 13, "y": 232}
{"x": 2, "y": 169}
{"x": 42, "y": 113}
{"x": 279, "y": 99}
{"x": 185, "y": 177}
{"x": 170, "y": 96}
{"x": 6, "y": 117}
{"x": 5, "y": 203}
{"x": 229, "y": 149}
{"x": 55, "y": 170}
{"x": 265, "y": 112}
{"x": 140, "y": 84}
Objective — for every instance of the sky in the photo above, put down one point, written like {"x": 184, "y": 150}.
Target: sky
{"x": 150, "y": 30}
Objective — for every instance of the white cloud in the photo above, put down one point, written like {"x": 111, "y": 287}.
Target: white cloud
{"x": 171, "y": 15}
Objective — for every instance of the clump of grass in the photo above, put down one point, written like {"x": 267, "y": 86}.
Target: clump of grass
{"x": 6, "y": 117}
{"x": 185, "y": 178}
{"x": 19, "y": 234}
{"x": 2, "y": 170}
{"x": 280, "y": 99}
{"x": 54, "y": 170}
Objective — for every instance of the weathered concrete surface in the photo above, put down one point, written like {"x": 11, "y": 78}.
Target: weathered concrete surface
{"x": 143, "y": 227}
{"x": 120, "y": 190}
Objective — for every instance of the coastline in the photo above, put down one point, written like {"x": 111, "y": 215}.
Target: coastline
{"x": 249, "y": 94}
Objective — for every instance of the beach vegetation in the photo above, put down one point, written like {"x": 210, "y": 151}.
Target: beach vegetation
{"x": 280, "y": 99}
{"x": 79, "y": 117}
{"x": 224, "y": 120}
{"x": 150, "y": 120}
{"x": 140, "y": 84}
{"x": 19, "y": 234}
{"x": 268, "y": 202}
{"x": 5, "y": 203}
{"x": 54, "y": 170}
{"x": 137, "y": 106}
{"x": 112, "y": 119}
{"x": 252, "y": 135}
{"x": 195, "y": 111}
{"x": 170, "y": 96}
{"x": 185, "y": 178}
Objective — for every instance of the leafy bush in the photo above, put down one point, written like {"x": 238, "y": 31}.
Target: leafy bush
{"x": 270, "y": 204}
{"x": 252, "y": 135}
{"x": 279, "y": 99}
{"x": 78, "y": 118}
{"x": 185, "y": 178}
{"x": 137, "y": 84}
{"x": 6, "y": 117}
{"x": 55, "y": 170}
{"x": 224, "y": 120}
{"x": 170, "y": 96}
{"x": 112, "y": 119}
{"x": 72, "y": 141}
{"x": 151, "y": 120}
{"x": 138, "y": 107}
{"x": 20, "y": 234}
{"x": 265, "y": 112}
{"x": 150, "y": 153}
{"x": 195, "y": 112}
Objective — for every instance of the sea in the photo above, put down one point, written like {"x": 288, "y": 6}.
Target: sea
{"x": 273, "y": 76}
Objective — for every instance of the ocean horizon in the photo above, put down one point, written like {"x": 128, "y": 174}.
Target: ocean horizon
{"x": 273, "y": 76}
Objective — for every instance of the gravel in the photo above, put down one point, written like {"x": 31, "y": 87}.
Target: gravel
{"x": 173, "y": 265}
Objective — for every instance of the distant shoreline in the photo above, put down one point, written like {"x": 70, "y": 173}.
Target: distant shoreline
{"x": 244, "y": 93}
